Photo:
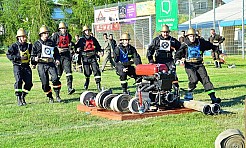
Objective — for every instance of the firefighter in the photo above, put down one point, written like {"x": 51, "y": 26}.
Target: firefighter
{"x": 124, "y": 56}
{"x": 191, "y": 51}
{"x": 46, "y": 56}
{"x": 63, "y": 42}
{"x": 163, "y": 47}
{"x": 216, "y": 39}
{"x": 111, "y": 38}
{"x": 19, "y": 54}
{"x": 108, "y": 49}
{"x": 89, "y": 48}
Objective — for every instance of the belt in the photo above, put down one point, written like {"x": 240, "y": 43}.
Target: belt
{"x": 88, "y": 54}
{"x": 46, "y": 60}
{"x": 63, "y": 49}
{"x": 193, "y": 60}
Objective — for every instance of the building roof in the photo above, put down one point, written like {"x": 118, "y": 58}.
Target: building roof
{"x": 229, "y": 14}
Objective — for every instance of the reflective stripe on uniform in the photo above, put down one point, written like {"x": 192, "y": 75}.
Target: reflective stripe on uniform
{"x": 175, "y": 82}
{"x": 24, "y": 90}
{"x": 48, "y": 92}
{"x": 123, "y": 82}
{"x": 97, "y": 77}
{"x": 56, "y": 86}
{"x": 68, "y": 74}
{"x": 18, "y": 90}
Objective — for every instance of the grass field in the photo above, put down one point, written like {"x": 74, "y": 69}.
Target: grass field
{"x": 40, "y": 124}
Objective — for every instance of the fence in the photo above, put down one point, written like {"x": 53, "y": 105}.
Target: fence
{"x": 142, "y": 29}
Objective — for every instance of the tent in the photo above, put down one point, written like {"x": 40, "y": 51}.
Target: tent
{"x": 229, "y": 14}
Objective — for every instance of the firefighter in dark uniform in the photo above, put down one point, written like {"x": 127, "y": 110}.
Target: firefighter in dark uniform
{"x": 19, "y": 54}
{"x": 163, "y": 47}
{"x": 89, "y": 48}
{"x": 191, "y": 51}
{"x": 216, "y": 40}
{"x": 63, "y": 42}
{"x": 46, "y": 56}
{"x": 124, "y": 56}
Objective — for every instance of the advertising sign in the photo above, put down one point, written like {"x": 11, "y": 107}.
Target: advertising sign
{"x": 106, "y": 16}
{"x": 167, "y": 13}
{"x": 145, "y": 8}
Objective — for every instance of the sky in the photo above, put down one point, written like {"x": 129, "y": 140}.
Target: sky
{"x": 226, "y": 1}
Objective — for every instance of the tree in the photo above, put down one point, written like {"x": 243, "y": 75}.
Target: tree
{"x": 27, "y": 14}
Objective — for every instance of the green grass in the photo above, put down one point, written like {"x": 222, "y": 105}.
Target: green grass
{"x": 40, "y": 124}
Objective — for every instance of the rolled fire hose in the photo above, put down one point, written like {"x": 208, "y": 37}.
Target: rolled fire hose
{"x": 197, "y": 105}
{"x": 100, "y": 97}
{"x": 231, "y": 138}
{"x": 86, "y": 97}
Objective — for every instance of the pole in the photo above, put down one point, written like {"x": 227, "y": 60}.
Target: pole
{"x": 189, "y": 14}
{"x": 243, "y": 32}
{"x": 214, "y": 13}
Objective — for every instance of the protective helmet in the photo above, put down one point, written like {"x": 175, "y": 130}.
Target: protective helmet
{"x": 191, "y": 31}
{"x": 21, "y": 32}
{"x": 62, "y": 25}
{"x": 86, "y": 28}
{"x": 43, "y": 29}
{"x": 165, "y": 28}
{"x": 125, "y": 36}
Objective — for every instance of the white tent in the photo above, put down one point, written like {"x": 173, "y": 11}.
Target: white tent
{"x": 229, "y": 14}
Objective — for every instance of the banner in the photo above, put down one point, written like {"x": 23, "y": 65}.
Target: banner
{"x": 105, "y": 16}
{"x": 167, "y": 13}
{"x": 145, "y": 8}
{"x": 127, "y": 12}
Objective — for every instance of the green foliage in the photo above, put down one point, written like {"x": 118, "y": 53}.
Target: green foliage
{"x": 27, "y": 14}
{"x": 40, "y": 124}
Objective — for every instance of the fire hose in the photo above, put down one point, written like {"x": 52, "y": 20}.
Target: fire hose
{"x": 230, "y": 138}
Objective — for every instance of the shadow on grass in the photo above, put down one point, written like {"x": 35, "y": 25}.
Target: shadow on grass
{"x": 220, "y": 88}
{"x": 70, "y": 100}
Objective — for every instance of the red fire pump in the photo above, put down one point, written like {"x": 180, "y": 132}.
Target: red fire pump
{"x": 156, "y": 90}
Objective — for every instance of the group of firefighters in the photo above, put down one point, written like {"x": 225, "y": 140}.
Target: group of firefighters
{"x": 51, "y": 55}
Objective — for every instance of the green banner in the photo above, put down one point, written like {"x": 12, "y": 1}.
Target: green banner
{"x": 166, "y": 13}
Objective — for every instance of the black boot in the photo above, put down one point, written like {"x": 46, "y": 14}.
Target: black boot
{"x": 23, "y": 98}
{"x": 19, "y": 102}
{"x": 213, "y": 98}
{"x": 216, "y": 64}
{"x": 99, "y": 86}
{"x": 124, "y": 88}
{"x": 50, "y": 97}
{"x": 86, "y": 85}
{"x": 58, "y": 98}
{"x": 71, "y": 91}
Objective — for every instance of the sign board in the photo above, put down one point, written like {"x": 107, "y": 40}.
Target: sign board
{"x": 167, "y": 13}
{"x": 106, "y": 16}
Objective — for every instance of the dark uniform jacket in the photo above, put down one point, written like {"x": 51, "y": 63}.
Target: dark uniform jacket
{"x": 192, "y": 52}
{"x": 37, "y": 50}
{"x": 216, "y": 39}
{"x": 19, "y": 53}
{"x": 56, "y": 38}
{"x": 161, "y": 56}
{"x": 88, "y": 46}
{"x": 131, "y": 53}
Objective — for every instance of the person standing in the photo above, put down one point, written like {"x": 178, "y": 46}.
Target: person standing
{"x": 46, "y": 55}
{"x": 63, "y": 42}
{"x": 108, "y": 49}
{"x": 182, "y": 38}
{"x": 111, "y": 38}
{"x": 124, "y": 56}
{"x": 216, "y": 40}
{"x": 191, "y": 51}
{"x": 89, "y": 48}
{"x": 19, "y": 54}
{"x": 163, "y": 47}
